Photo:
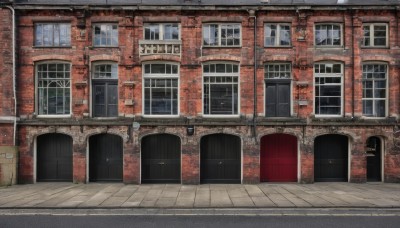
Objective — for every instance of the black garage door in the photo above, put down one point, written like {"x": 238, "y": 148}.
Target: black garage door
{"x": 105, "y": 158}
{"x": 54, "y": 157}
{"x": 331, "y": 158}
{"x": 161, "y": 159}
{"x": 220, "y": 159}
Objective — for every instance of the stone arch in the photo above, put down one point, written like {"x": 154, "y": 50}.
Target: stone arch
{"x": 105, "y": 130}
{"x": 146, "y": 134}
{"x": 54, "y": 57}
{"x": 104, "y": 57}
{"x": 220, "y": 57}
{"x": 167, "y": 58}
{"x": 262, "y": 133}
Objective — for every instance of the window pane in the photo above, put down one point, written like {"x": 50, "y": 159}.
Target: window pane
{"x": 39, "y": 35}
{"x": 158, "y": 68}
{"x": 284, "y": 35}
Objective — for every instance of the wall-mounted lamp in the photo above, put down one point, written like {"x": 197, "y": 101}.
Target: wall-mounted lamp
{"x": 190, "y": 130}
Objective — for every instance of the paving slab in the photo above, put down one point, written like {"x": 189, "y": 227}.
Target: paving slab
{"x": 267, "y": 195}
{"x": 220, "y": 198}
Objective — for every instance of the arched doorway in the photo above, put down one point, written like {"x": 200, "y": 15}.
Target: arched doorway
{"x": 278, "y": 158}
{"x": 220, "y": 159}
{"x": 105, "y": 158}
{"x": 331, "y": 158}
{"x": 374, "y": 156}
{"x": 54, "y": 157}
{"x": 161, "y": 159}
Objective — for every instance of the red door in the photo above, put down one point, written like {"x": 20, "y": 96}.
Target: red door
{"x": 278, "y": 158}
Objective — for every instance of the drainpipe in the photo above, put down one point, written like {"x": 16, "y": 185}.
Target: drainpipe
{"x": 352, "y": 63}
{"x": 13, "y": 74}
{"x": 252, "y": 14}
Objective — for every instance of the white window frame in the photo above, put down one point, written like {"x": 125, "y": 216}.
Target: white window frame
{"x": 222, "y": 75}
{"x": 160, "y": 76}
{"x": 161, "y": 29}
{"x": 386, "y": 99}
{"x": 278, "y": 34}
{"x": 371, "y": 30}
{"x": 96, "y": 63}
{"x": 326, "y": 75}
{"x": 68, "y": 37}
{"x": 105, "y": 24}
{"x": 329, "y": 45}
{"x": 272, "y": 79}
{"x": 219, "y": 34}
{"x": 37, "y": 92}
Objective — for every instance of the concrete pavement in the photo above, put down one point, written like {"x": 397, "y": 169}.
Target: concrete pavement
{"x": 266, "y": 195}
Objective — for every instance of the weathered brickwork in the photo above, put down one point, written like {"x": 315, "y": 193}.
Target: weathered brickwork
{"x": 6, "y": 78}
{"x": 302, "y": 55}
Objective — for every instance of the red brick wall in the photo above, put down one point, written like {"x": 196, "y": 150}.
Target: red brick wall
{"x": 302, "y": 55}
{"x": 6, "y": 77}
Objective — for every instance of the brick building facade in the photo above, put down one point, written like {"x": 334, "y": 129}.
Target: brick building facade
{"x": 192, "y": 92}
{"x": 7, "y": 97}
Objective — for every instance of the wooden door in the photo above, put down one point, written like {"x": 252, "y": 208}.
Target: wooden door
{"x": 54, "y": 157}
{"x": 161, "y": 159}
{"x": 105, "y": 158}
{"x": 278, "y": 158}
{"x": 331, "y": 158}
{"x": 220, "y": 156}
{"x": 105, "y": 99}
{"x": 277, "y": 99}
{"x": 374, "y": 172}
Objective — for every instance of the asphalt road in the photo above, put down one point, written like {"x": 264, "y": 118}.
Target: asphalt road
{"x": 193, "y": 221}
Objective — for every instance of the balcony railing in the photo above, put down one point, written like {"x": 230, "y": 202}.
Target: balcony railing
{"x": 152, "y": 47}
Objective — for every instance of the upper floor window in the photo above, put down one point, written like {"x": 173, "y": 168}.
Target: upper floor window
{"x": 328, "y": 89}
{"x": 52, "y": 34}
{"x": 53, "y": 88}
{"x": 328, "y": 35}
{"x": 105, "y": 35}
{"x": 161, "y": 88}
{"x": 161, "y": 32}
{"x": 277, "y": 35}
{"x": 221, "y": 88}
{"x": 374, "y": 90}
{"x": 221, "y": 35}
{"x": 375, "y": 35}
